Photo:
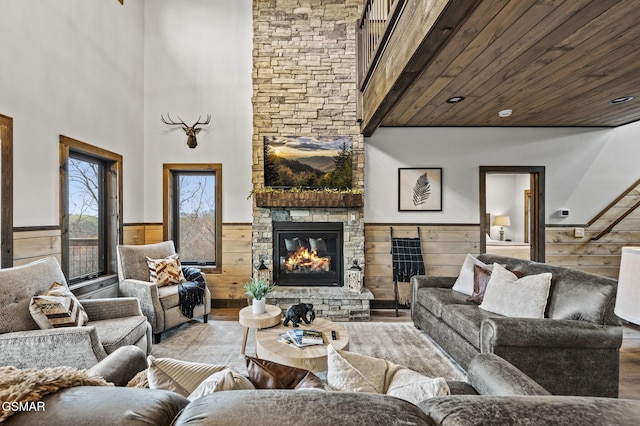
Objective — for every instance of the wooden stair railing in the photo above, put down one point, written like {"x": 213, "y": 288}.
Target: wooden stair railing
{"x": 620, "y": 218}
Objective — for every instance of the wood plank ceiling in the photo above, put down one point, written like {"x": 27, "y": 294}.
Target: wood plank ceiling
{"x": 553, "y": 62}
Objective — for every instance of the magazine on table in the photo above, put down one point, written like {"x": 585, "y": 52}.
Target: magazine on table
{"x": 302, "y": 338}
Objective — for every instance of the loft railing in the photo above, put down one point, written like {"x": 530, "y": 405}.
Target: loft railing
{"x": 373, "y": 30}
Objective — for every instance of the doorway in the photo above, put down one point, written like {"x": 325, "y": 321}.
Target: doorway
{"x": 6, "y": 191}
{"x": 528, "y": 217}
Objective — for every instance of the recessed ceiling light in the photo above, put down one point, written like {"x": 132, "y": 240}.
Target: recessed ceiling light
{"x": 455, "y": 99}
{"x": 620, "y": 100}
{"x": 505, "y": 113}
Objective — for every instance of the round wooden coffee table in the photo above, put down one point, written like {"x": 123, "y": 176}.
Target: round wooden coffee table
{"x": 248, "y": 319}
{"x": 312, "y": 358}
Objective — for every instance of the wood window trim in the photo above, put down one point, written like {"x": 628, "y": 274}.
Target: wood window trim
{"x": 113, "y": 203}
{"x": 167, "y": 191}
{"x": 6, "y": 192}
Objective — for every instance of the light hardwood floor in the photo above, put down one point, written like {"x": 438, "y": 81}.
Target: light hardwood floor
{"x": 630, "y": 363}
{"x": 629, "y": 352}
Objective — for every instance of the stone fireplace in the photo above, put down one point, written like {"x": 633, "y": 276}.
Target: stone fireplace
{"x": 304, "y": 84}
{"x": 272, "y": 227}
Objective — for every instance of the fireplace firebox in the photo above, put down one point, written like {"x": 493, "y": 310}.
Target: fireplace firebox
{"x": 307, "y": 254}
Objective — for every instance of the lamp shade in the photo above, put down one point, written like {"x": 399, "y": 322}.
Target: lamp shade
{"x": 628, "y": 297}
{"x": 502, "y": 221}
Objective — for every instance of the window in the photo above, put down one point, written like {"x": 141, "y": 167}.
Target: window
{"x": 193, "y": 212}
{"x": 90, "y": 210}
{"x": 86, "y": 216}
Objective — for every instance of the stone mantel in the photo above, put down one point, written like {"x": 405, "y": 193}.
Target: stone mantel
{"x": 308, "y": 199}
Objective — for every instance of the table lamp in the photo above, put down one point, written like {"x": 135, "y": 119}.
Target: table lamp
{"x": 628, "y": 297}
{"x": 502, "y": 221}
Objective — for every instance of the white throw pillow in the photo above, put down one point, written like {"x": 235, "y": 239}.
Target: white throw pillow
{"x": 415, "y": 387}
{"x": 181, "y": 377}
{"x": 351, "y": 372}
{"x": 512, "y": 297}
{"x": 224, "y": 380}
{"x": 464, "y": 283}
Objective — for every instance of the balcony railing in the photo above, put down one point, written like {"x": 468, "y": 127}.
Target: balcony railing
{"x": 84, "y": 257}
{"x": 374, "y": 28}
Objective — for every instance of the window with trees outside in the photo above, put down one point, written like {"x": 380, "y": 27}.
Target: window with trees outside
{"x": 86, "y": 216}
{"x": 193, "y": 213}
{"x": 90, "y": 210}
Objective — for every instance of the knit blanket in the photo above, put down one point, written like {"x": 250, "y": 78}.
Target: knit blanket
{"x": 191, "y": 292}
{"x": 406, "y": 255}
{"x": 31, "y": 385}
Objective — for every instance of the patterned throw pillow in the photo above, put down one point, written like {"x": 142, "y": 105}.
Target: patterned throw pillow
{"x": 179, "y": 376}
{"x": 165, "y": 271}
{"x": 58, "y": 307}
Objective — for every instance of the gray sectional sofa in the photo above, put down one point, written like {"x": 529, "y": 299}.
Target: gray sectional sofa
{"x": 495, "y": 393}
{"x": 574, "y": 350}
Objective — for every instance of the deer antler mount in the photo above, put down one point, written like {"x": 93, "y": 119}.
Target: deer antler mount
{"x": 191, "y": 131}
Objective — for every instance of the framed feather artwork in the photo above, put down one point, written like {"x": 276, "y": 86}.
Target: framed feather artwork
{"x": 419, "y": 189}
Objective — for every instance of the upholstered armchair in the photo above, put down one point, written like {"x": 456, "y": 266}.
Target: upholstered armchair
{"x": 161, "y": 305}
{"x": 112, "y": 323}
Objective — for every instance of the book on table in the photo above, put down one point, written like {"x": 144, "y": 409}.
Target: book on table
{"x": 302, "y": 338}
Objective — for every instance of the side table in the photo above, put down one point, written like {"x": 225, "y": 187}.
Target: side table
{"x": 271, "y": 317}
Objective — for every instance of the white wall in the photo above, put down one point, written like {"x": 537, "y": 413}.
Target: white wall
{"x": 586, "y": 168}
{"x": 197, "y": 62}
{"x": 70, "y": 67}
{"x": 92, "y": 70}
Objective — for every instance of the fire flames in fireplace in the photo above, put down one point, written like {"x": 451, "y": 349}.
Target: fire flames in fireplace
{"x": 303, "y": 260}
{"x": 308, "y": 253}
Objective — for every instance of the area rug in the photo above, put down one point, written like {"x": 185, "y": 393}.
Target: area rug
{"x": 219, "y": 342}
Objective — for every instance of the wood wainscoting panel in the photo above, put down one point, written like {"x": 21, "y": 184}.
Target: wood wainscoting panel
{"x": 142, "y": 233}
{"x": 600, "y": 257}
{"x": 35, "y": 243}
{"x": 236, "y": 263}
{"x": 599, "y": 251}
{"x": 133, "y": 234}
{"x": 444, "y": 248}
{"x": 153, "y": 233}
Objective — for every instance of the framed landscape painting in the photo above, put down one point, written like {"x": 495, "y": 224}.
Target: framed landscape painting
{"x": 420, "y": 189}
{"x": 311, "y": 162}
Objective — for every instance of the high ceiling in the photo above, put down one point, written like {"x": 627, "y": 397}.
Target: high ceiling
{"x": 554, "y": 63}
